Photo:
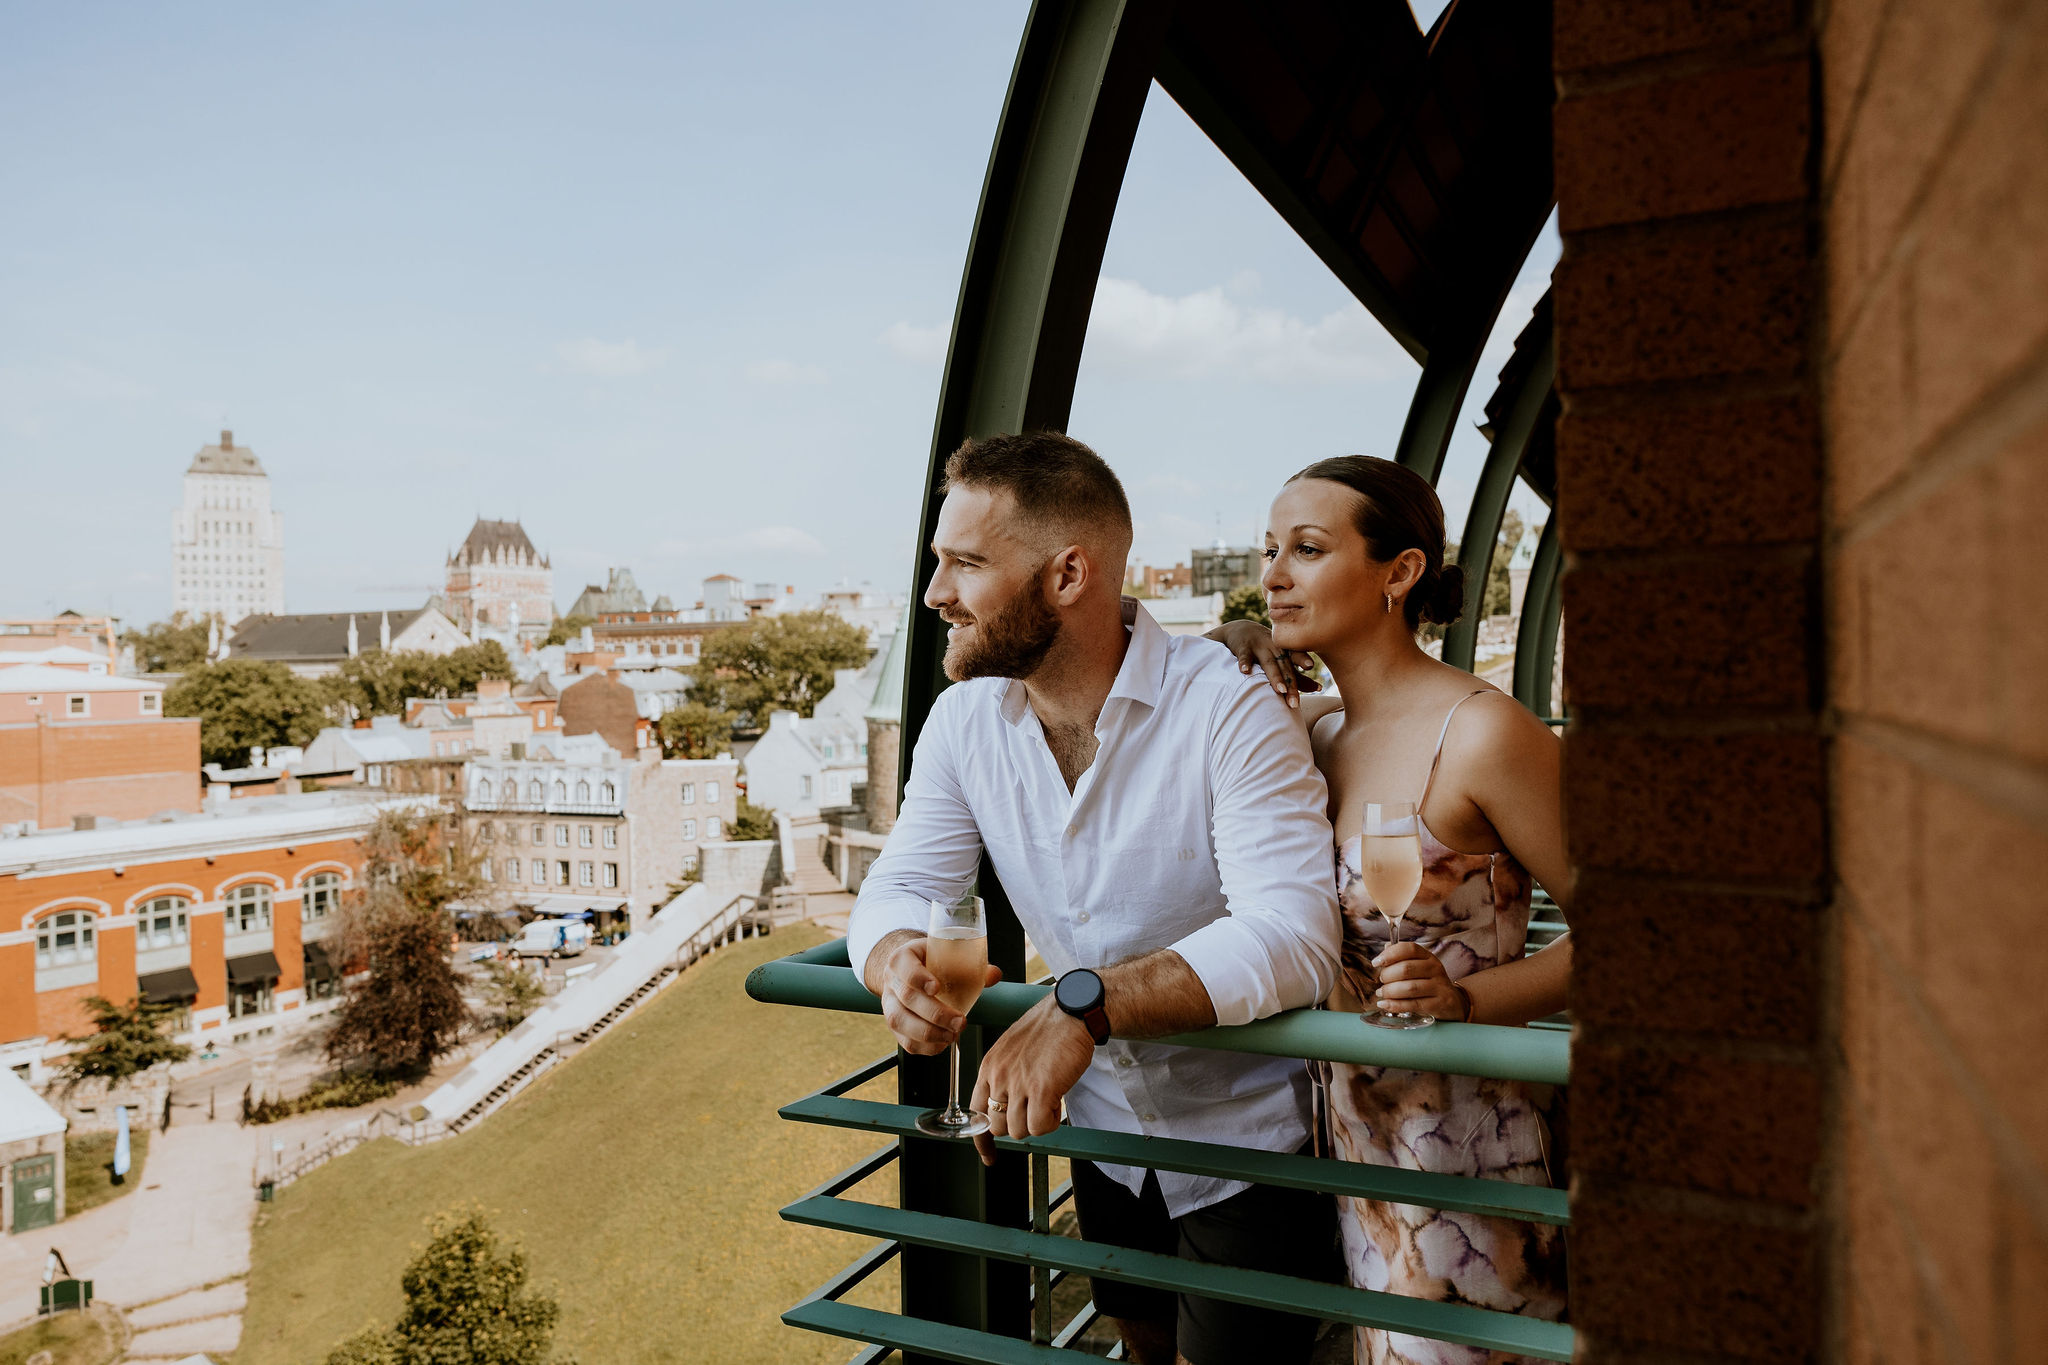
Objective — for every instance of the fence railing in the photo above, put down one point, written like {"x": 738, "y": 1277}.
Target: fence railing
{"x": 968, "y": 1321}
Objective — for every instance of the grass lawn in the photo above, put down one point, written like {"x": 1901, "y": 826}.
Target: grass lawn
{"x": 642, "y": 1178}
{"x": 89, "y": 1170}
{"x": 87, "y": 1338}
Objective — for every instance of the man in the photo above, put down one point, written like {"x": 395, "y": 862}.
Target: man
{"x": 1158, "y": 823}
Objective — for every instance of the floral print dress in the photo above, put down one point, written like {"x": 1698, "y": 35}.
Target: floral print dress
{"x": 1472, "y": 911}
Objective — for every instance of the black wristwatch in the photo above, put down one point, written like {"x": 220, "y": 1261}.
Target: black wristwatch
{"x": 1080, "y": 994}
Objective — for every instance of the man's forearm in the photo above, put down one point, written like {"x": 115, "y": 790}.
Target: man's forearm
{"x": 1155, "y": 995}
{"x": 876, "y": 967}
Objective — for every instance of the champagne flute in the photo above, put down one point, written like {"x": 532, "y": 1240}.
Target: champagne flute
{"x": 1390, "y": 865}
{"x": 956, "y": 952}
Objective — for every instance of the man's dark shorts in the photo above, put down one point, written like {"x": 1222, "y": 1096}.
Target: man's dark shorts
{"x": 1292, "y": 1232}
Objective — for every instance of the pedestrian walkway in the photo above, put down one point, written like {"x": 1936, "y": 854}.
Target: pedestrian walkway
{"x": 186, "y": 1229}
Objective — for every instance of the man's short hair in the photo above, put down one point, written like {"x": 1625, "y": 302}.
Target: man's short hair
{"x": 1057, "y": 482}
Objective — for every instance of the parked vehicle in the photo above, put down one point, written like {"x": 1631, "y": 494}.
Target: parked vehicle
{"x": 552, "y": 938}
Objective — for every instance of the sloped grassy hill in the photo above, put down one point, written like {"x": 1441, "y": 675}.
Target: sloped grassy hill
{"x": 642, "y": 1179}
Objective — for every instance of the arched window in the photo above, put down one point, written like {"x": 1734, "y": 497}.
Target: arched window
{"x": 533, "y": 791}
{"x": 583, "y": 793}
{"x": 322, "y": 896}
{"x": 163, "y": 923}
{"x": 561, "y": 790}
{"x": 65, "y": 939}
{"x": 248, "y": 908}
{"x": 608, "y": 793}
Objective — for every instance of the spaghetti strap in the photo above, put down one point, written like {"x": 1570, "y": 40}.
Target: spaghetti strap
{"x": 1438, "y": 757}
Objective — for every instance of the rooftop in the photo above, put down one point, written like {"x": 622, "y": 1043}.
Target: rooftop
{"x": 252, "y": 820}
{"x": 322, "y": 635}
{"x": 226, "y": 458}
{"x": 499, "y": 537}
{"x": 50, "y": 678}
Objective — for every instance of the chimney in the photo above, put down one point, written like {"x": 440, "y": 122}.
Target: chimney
{"x": 227, "y": 439}
{"x": 384, "y": 631}
{"x": 352, "y": 651}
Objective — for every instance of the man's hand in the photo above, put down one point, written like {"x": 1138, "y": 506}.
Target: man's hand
{"x": 923, "y": 1023}
{"x": 1028, "y": 1073}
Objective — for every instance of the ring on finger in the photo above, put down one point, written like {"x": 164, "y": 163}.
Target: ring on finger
{"x": 998, "y": 1107}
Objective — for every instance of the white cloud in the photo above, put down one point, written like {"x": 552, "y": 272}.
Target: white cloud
{"x": 1136, "y": 333}
{"x": 609, "y": 359}
{"x": 780, "y": 540}
{"x": 913, "y": 342}
{"x": 780, "y": 372}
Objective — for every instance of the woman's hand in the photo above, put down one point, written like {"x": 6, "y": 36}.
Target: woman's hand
{"x": 1413, "y": 981}
{"x": 1252, "y": 643}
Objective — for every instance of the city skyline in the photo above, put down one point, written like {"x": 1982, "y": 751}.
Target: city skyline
{"x": 478, "y": 302}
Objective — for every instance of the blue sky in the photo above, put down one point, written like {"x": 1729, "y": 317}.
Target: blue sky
{"x": 669, "y": 283}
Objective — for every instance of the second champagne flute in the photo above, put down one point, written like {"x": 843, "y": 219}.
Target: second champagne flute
{"x": 1390, "y": 865}
{"x": 956, "y": 952}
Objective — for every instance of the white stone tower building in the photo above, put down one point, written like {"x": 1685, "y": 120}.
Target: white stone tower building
{"x": 227, "y": 542}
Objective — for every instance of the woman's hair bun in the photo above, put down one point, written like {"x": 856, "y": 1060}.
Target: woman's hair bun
{"x": 1446, "y": 597}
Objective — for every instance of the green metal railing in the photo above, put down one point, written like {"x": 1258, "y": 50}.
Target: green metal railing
{"x": 821, "y": 979}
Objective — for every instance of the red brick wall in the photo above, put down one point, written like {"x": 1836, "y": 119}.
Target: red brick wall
{"x": 1689, "y": 470}
{"x": 123, "y": 770}
{"x": 1934, "y": 194}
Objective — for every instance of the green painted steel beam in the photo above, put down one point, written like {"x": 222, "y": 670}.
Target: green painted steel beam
{"x": 919, "y": 1338}
{"x": 1461, "y": 1049}
{"x": 1437, "y": 1321}
{"x": 1490, "y": 500}
{"x": 862, "y": 1266}
{"x": 1076, "y": 94}
{"x": 1363, "y": 1180}
{"x": 1536, "y": 641}
{"x": 1433, "y": 411}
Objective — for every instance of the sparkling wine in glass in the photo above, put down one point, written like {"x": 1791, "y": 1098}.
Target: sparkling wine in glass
{"x": 1390, "y": 865}
{"x": 956, "y": 951}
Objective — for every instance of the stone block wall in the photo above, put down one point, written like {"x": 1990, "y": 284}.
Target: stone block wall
{"x": 1933, "y": 190}
{"x": 1690, "y": 495}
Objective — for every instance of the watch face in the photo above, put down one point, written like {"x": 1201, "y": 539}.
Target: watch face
{"x": 1078, "y": 991}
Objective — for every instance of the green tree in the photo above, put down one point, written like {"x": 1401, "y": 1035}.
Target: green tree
{"x": 171, "y": 646}
{"x": 694, "y": 730}
{"x": 126, "y": 1039}
{"x": 408, "y": 1009}
{"x": 242, "y": 703}
{"x": 567, "y": 628}
{"x": 466, "y": 1303}
{"x": 377, "y": 682}
{"x": 510, "y": 994}
{"x": 1247, "y": 603}
{"x": 775, "y": 662}
{"x": 752, "y": 822}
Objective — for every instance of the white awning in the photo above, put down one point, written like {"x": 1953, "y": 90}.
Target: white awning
{"x": 23, "y": 1114}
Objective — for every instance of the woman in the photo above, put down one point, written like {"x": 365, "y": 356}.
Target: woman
{"x": 1354, "y": 566}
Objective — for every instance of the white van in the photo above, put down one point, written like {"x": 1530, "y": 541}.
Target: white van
{"x": 552, "y": 938}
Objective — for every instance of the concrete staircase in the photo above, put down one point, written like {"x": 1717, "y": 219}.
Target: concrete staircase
{"x": 206, "y": 1320}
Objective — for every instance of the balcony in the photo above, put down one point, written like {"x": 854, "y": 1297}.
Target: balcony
{"x": 983, "y": 1253}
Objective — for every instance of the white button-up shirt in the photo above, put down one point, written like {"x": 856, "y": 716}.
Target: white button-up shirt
{"x": 1200, "y": 827}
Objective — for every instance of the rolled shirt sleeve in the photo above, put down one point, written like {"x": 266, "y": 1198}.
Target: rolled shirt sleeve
{"x": 1279, "y": 947}
{"x": 934, "y": 852}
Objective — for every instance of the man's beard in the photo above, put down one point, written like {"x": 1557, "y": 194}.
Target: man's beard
{"x": 1010, "y": 644}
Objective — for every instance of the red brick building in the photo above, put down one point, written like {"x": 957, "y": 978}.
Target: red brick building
{"x": 227, "y": 914}
{"x": 79, "y": 744}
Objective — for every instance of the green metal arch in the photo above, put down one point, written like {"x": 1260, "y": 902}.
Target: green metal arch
{"x": 1490, "y": 497}
{"x": 1542, "y": 608}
